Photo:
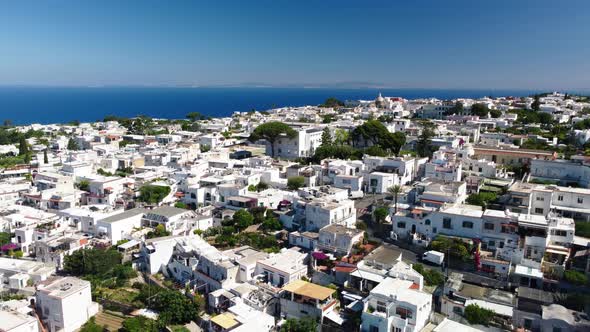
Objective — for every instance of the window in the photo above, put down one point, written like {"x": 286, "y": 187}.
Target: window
{"x": 467, "y": 224}
{"x": 403, "y": 312}
{"x": 539, "y": 210}
{"x": 458, "y": 310}
{"x": 397, "y": 329}
{"x": 380, "y": 306}
{"x": 401, "y": 225}
{"x": 580, "y": 200}
{"x": 539, "y": 198}
{"x": 556, "y": 329}
{"x": 560, "y": 198}
{"x": 373, "y": 328}
{"x": 559, "y": 232}
{"x": 427, "y": 222}
{"x": 528, "y": 323}
{"x": 488, "y": 226}
{"x": 447, "y": 223}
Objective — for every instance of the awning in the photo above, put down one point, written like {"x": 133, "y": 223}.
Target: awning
{"x": 571, "y": 209}
{"x": 560, "y": 251}
{"x": 367, "y": 275}
{"x": 335, "y": 317}
{"x": 128, "y": 244}
{"x": 431, "y": 201}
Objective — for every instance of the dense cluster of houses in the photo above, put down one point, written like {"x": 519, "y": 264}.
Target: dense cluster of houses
{"x": 83, "y": 189}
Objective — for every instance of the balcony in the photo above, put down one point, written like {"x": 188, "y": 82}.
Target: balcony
{"x": 535, "y": 241}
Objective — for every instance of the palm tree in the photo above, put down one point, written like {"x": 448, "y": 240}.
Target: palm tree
{"x": 394, "y": 191}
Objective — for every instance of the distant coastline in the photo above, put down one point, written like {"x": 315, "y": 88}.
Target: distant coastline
{"x": 26, "y": 105}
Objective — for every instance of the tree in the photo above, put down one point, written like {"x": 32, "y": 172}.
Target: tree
{"x": 194, "y": 116}
{"x": 424, "y": 146}
{"x": 328, "y": 118}
{"x": 341, "y": 136}
{"x": 495, "y": 113}
{"x": 205, "y": 148}
{"x": 307, "y": 324}
{"x": 480, "y": 110}
{"x": 456, "y": 109}
{"x": 332, "y": 102}
{"x": 477, "y": 315}
{"x": 575, "y": 277}
{"x": 270, "y": 132}
{"x": 582, "y": 229}
{"x": 394, "y": 191}
{"x": 380, "y": 214}
{"x": 159, "y": 231}
{"x": 545, "y": 118}
{"x": 91, "y": 261}
{"x": 536, "y": 105}
{"x": 7, "y": 123}
{"x": 431, "y": 277}
{"x": 175, "y": 308}
{"x": 326, "y": 137}
{"x": 45, "y": 157}
{"x": 23, "y": 146}
{"x": 4, "y": 238}
{"x": 242, "y": 219}
{"x": 455, "y": 247}
{"x": 153, "y": 194}
{"x": 295, "y": 182}
{"x": 72, "y": 145}
{"x": 373, "y": 132}
{"x": 84, "y": 185}
{"x": 261, "y": 186}
{"x": 139, "y": 324}
{"x": 271, "y": 224}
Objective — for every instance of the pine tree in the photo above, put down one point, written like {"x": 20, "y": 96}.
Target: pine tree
{"x": 45, "y": 158}
{"x": 326, "y": 137}
{"x": 72, "y": 145}
{"x": 23, "y": 147}
{"x": 536, "y": 105}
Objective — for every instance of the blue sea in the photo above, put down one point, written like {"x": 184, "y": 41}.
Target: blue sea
{"x": 25, "y": 105}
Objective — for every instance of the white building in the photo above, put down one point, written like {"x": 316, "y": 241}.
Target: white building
{"x": 17, "y": 316}
{"x": 576, "y": 170}
{"x": 65, "y": 304}
{"x": 395, "y": 305}
{"x": 302, "y": 145}
{"x": 338, "y": 239}
{"x": 282, "y": 268}
{"x": 321, "y": 212}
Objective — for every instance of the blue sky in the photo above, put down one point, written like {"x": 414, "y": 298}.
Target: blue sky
{"x": 442, "y": 44}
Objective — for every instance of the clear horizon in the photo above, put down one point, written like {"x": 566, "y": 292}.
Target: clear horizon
{"x": 540, "y": 45}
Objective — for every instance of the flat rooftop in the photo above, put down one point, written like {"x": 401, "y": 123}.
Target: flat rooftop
{"x": 63, "y": 287}
{"x": 308, "y": 289}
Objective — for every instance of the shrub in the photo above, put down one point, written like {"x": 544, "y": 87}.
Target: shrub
{"x": 477, "y": 315}
{"x": 139, "y": 324}
{"x": 159, "y": 231}
{"x": 575, "y": 277}
{"x": 295, "y": 182}
{"x": 431, "y": 277}
{"x": 153, "y": 194}
{"x": 583, "y": 228}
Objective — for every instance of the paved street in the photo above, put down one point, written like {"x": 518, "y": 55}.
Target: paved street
{"x": 364, "y": 207}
